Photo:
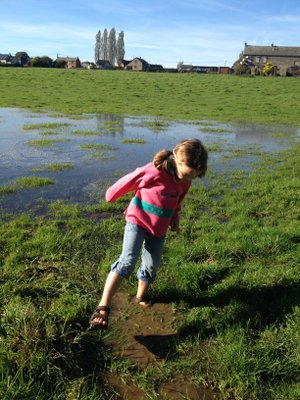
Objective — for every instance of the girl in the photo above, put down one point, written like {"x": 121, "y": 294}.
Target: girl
{"x": 159, "y": 187}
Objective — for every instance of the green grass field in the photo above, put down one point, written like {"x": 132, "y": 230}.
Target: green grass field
{"x": 188, "y": 96}
{"x": 232, "y": 274}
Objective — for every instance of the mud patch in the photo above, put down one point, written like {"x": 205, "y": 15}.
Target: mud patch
{"x": 146, "y": 336}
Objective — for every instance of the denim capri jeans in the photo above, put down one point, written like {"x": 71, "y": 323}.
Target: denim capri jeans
{"x": 136, "y": 241}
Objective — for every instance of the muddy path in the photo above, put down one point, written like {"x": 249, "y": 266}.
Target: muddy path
{"x": 146, "y": 336}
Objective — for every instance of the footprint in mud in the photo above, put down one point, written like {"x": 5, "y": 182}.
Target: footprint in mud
{"x": 146, "y": 336}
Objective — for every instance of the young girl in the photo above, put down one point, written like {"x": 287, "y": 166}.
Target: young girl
{"x": 159, "y": 187}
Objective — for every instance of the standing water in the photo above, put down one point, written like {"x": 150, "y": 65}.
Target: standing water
{"x": 82, "y": 156}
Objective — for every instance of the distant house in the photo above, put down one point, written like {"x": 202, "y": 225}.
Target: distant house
{"x": 124, "y": 63}
{"x": 204, "y": 69}
{"x": 156, "y": 68}
{"x": 8, "y": 59}
{"x": 88, "y": 65}
{"x": 225, "y": 70}
{"x": 4, "y": 58}
{"x": 103, "y": 64}
{"x": 184, "y": 67}
{"x": 71, "y": 62}
{"x": 283, "y": 58}
{"x": 197, "y": 69}
{"x": 139, "y": 64}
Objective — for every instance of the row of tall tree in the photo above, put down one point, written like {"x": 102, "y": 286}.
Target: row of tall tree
{"x": 110, "y": 48}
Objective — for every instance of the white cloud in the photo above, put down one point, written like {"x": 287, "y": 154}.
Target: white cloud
{"x": 283, "y": 19}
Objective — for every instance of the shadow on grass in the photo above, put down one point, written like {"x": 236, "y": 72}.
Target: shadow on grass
{"x": 194, "y": 297}
{"x": 255, "y": 307}
{"x": 271, "y": 303}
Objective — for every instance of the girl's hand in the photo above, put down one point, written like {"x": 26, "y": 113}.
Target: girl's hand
{"x": 174, "y": 225}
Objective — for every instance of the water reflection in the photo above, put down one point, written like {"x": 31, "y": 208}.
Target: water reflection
{"x": 95, "y": 147}
{"x": 110, "y": 124}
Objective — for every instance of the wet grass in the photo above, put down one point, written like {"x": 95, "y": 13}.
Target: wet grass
{"x": 24, "y": 183}
{"x": 133, "y": 141}
{"x": 156, "y": 125}
{"x": 6, "y": 189}
{"x": 31, "y": 182}
{"x": 232, "y": 276}
{"x": 111, "y": 125}
{"x": 53, "y": 167}
{"x": 84, "y": 133}
{"x": 96, "y": 146}
{"x": 100, "y": 155}
{"x": 171, "y": 96}
{"x": 98, "y": 151}
{"x": 45, "y": 125}
{"x": 45, "y": 142}
{"x": 50, "y": 133}
{"x": 214, "y": 130}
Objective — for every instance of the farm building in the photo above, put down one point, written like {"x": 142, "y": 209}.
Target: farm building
{"x": 139, "y": 64}
{"x": 203, "y": 69}
{"x": 104, "y": 64}
{"x": 71, "y": 62}
{"x": 282, "y": 58}
{"x": 8, "y": 59}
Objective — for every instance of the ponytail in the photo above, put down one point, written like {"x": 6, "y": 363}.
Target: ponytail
{"x": 160, "y": 159}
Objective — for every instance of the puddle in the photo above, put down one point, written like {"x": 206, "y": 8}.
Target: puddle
{"x": 97, "y": 151}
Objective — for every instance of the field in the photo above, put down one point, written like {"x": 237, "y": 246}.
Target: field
{"x": 230, "y": 279}
{"x": 212, "y": 97}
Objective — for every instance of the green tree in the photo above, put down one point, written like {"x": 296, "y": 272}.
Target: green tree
{"x": 111, "y": 54}
{"x": 98, "y": 46}
{"x": 44, "y": 62}
{"x": 241, "y": 66}
{"x": 60, "y": 63}
{"x": 22, "y": 57}
{"x": 104, "y": 45}
{"x": 120, "y": 49}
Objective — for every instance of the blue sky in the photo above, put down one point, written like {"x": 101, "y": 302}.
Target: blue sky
{"x": 198, "y": 32}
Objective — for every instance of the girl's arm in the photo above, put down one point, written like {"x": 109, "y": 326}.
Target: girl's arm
{"x": 126, "y": 184}
{"x": 174, "y": 223}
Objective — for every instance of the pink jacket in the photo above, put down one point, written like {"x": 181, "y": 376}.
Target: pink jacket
{"x": 156, "y": 201}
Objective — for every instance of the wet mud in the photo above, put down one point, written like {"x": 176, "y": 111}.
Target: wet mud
{"x": 146, "y": 336}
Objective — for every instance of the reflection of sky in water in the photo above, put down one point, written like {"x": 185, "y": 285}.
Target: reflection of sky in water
{"x": 90, "y": 176}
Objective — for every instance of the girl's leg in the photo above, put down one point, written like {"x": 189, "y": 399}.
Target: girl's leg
{"x": 112, "y": 284}
{"x": 142, "y": 290}
{"x": 151, "y": 257}
{"x": 122, "y": 268}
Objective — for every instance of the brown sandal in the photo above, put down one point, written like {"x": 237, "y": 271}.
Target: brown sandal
{"x": 96, "y": 314}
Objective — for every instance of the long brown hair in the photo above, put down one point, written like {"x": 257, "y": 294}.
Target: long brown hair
{"x": 191, "y": 151}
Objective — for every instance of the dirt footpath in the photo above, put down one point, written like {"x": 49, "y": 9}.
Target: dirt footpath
{"x": 146, "y": 336}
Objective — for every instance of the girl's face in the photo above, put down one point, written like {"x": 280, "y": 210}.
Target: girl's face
{"x": 183, "y": 171}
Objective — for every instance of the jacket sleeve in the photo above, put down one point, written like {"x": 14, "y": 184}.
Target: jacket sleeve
{"x": 128, "y": 183}
{"x": 176, "y": 216}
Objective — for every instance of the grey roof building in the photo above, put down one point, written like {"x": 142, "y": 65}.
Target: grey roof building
{"x": 282, "y": 58}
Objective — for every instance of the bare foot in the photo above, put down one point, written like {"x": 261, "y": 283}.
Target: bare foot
{"x": 143, "y": 301}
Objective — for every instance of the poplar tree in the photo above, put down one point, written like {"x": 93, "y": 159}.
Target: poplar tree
{"x": 98, "y": 46}
{"x": 108, "y": 48}
{"x": 111, "y": 54}
{"x": 103, "y": 52}
{"x": 120, "y": 49}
